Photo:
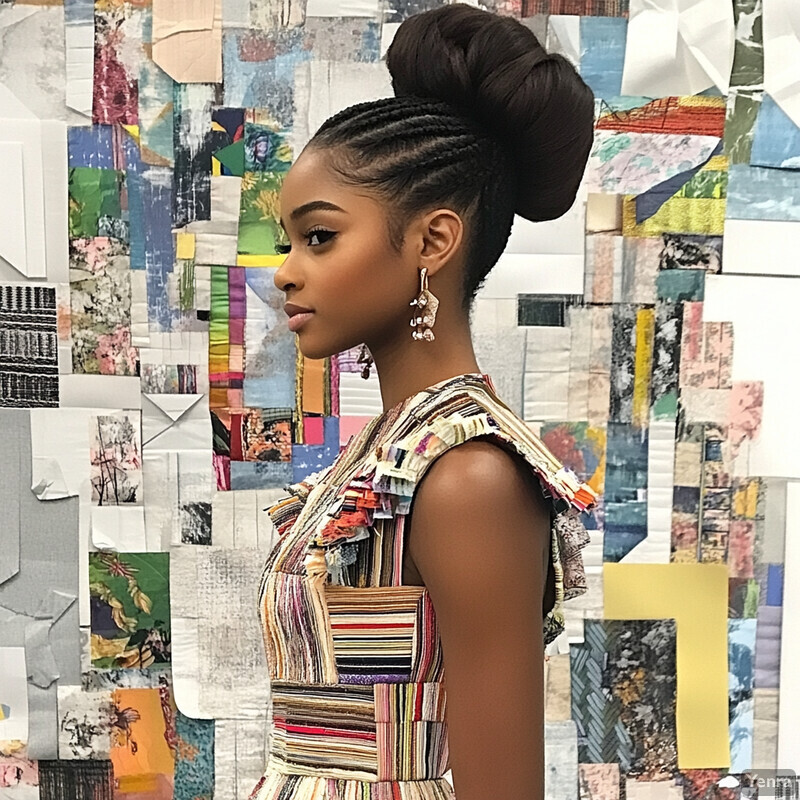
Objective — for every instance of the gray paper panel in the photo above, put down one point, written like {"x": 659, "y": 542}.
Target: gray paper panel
{"x": 38, "y": 607}
{"x": 10, "y": 490}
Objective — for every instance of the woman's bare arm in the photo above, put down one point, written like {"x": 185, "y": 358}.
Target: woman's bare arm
{"x": 481, "y": 540}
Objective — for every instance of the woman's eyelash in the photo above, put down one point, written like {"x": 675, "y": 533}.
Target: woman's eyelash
{"x": 326, "y": 235}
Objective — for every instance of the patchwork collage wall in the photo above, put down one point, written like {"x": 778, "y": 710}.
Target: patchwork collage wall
{"x": 153, "y": 402}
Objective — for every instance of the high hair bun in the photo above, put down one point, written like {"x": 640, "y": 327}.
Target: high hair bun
{"x": 493, "y": 70}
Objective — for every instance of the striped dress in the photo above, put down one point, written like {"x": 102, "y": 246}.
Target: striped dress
{"x": 355, "y": 661}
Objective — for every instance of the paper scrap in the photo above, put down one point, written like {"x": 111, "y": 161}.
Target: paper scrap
{"x": 12, "y": 207}
{"x": 187, "y": 39}
{"x": 781, "y": 25}
{"x": 678, "y": 47}
{"x": 789, "y": 683}
{"x": 677, "y": 591}
{"x": 13, "y": 694}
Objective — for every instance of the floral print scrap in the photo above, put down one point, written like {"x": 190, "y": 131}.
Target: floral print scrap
{"x": 100, "y": 300}
{"x": 130, "y": 611}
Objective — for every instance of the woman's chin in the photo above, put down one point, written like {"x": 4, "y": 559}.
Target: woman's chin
{"x": 314, "y": 351}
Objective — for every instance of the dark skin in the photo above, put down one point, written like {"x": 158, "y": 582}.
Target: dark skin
{"x": 478, "y": 537}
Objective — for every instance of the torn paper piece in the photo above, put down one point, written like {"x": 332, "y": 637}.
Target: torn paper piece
{"x": 130, "y": 609}
{"x": 178, "y": 472}
{"x": 564, "y": 37}
{"x": 148, "y": 715}
{"x": 765, "y": 722}
{"x": 81, "y": 391}
{"x": 603, "y": 213}
{"x": 28, "y": 332}
{"x": 761, "y": 193}
{"x": 156, "y": 103}
{"x": 561, "y": 759}
{"x": 100, "y": 314}
{"x": 32, "y": 61}
{"x": 600, "y": 780}
{"x": 79, "y": 36}
{"x": 12, "y": 207}
{"x": 20, "y": 771}
{"x": 84, "y": 723}
{"x": 13, "y": 694}
{"x": 763, "y": 309}
{"x": 633, "y": 163}
{"x": 117, "y": 61}
{"x": 789, "y": 708}
{"x": 342, "y": 8}
{"x": 115, "y": 454}
{"x": 776, "y": 138}
{"x": 224, "y": 674}
{"x": 602, "y": 54}
{"x": 60, "y": 451}
{"x": 21, "y": 158}
{"x": 676, "y": 591}
{"x": 781, "y": 25}
{"x": 118, "y": 528}
{"x": 358, "y": 397}
{"x": 216, "y": 239}
{"x": 321, "y": 88}
{"x": 179, "y": 486}
{"x": 619, "y": 653}
{"x": 564, "y": 235}
{"x": 187, "y": 39}
{"x": 240, "y": 753}
{"x": 678, "y": 47}
{"x": 655, "y": 548}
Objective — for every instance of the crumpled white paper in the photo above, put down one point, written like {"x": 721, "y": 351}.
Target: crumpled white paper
{"x": 678, "y": 47}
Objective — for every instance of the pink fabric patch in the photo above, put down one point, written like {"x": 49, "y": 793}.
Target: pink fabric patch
{"x": 314, "y": 430}
{"x": 351, "y": 425}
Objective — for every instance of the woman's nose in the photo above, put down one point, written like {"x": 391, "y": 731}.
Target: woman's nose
{"x": 285, "y": 276}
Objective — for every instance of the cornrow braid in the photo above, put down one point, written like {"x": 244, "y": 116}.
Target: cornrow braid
{"x": 420, "y": 154}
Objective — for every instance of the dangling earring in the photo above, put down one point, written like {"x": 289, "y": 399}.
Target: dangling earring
{"x": 365, "y": 358}
{"x": 427, "y": 303}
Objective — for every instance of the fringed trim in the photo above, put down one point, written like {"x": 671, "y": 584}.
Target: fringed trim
{"x": 284, "y": 513}
{"x": 385, "y": 486}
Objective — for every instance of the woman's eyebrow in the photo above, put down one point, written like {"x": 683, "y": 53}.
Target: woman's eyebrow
{"x": 313, "y": 205}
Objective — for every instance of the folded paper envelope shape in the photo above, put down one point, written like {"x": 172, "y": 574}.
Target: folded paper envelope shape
{"x": 176, "y": 422}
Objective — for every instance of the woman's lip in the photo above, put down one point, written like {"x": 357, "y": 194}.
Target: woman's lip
{"x": 296, "y": 321}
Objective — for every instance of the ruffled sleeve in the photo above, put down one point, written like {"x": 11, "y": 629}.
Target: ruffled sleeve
{"x": 384, "y": 485}
{"x": 284, "y": 512}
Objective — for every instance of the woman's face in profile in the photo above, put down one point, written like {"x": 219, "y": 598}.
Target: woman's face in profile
{"x": 341, "y": 265}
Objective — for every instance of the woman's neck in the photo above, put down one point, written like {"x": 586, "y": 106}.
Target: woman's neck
{"x": 407, "y": 366}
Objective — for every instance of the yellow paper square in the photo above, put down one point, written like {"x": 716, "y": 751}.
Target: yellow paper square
{"x": 185, "y": 245}
{"x": 696, "y": 597}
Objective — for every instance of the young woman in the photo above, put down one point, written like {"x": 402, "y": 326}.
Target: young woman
{"x": 445, "y": 537}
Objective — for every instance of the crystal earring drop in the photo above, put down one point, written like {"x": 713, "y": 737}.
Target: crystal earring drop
{"x": 427, "y": 304}
{"x": 365, "y": 358}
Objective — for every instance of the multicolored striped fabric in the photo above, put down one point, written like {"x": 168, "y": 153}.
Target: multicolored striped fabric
{"x": 354, "y": 656}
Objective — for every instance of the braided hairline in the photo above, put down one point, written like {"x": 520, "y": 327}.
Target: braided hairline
{"x": 417, "y": 152}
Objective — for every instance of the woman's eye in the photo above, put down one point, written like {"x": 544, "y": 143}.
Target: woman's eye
{"x": 319, "y": 233}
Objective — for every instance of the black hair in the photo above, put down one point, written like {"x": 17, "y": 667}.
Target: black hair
{"x": 483, "y": 121}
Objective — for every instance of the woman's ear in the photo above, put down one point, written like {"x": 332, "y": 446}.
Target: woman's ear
{"x": 442, "y": 232}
